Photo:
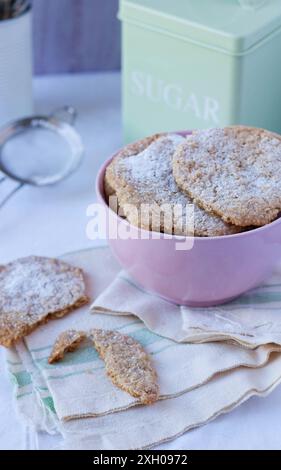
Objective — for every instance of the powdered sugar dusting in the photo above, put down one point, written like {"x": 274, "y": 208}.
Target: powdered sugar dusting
{"x": 149, "y": 178}
{"x": 34, "y": 287}
{"x": 234, "y": 172}
{"x": 152, "y": 168}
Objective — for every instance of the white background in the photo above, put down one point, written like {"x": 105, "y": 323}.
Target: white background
{"x": 52, "y": 221}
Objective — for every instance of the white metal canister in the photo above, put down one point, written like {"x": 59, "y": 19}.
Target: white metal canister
{"x": 15, "y": 67}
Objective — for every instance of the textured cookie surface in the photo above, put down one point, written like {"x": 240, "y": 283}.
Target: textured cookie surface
{"x": 142, "y": 175}
{"x": 68, "y": 341}
{"x": 111, "y": 179}
{"x": 234, "y": 172}
{"x": 33, "y": 290}
{"x": 127, "y": 364}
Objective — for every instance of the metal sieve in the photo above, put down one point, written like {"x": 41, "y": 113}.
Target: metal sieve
{"x": 39, "y": 150}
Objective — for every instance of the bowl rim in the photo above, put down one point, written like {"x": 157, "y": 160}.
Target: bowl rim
{"x": 99, "y": 187}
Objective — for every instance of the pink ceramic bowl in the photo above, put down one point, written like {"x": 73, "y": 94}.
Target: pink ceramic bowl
{"x": 214, "y": 271}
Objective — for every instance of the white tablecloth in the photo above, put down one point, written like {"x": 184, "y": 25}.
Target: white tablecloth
{"x": 52, "y": 221}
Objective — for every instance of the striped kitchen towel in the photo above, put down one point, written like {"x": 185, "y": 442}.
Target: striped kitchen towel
{"x": 251, "y": 320}
{"x": 76, "y": 400}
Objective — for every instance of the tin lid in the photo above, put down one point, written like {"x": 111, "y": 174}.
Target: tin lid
{"x": 233, "y": 26}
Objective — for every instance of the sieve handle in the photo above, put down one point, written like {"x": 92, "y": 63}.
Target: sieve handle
{"x": 67, "y": 114}
{"x": 11, "y": 193}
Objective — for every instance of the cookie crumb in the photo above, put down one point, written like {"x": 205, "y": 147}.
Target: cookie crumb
{"x": 68, "y": 341}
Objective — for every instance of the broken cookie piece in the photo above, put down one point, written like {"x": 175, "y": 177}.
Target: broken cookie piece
{"x": 68, "y": 341}
{"x": 34, "y": 290}
{"x": 127, "y": 364}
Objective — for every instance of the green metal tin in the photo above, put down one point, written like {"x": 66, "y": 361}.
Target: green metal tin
{"x": 200, "y": 63}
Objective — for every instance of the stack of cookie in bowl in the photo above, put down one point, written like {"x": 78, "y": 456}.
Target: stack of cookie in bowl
{"x": 231, "y": 176}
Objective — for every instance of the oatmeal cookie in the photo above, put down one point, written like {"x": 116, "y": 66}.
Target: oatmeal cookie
{"x": 127, "y": 364}
{"x": 142, "y": 175}
{"x": 233, "y": 172}
{"x": 32, "y": 291}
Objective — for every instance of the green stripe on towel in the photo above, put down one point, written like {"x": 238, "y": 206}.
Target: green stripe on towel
{"x": 49, "y": 403}
{"x": 21, "y": 379}
{"x": 257, "y": 297}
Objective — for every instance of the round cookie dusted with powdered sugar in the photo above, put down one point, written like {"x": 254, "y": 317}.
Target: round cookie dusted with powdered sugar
{"x": 34, "y": 290}
{"x": 141, "y": 175}
{"x": 233, "y": 172}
